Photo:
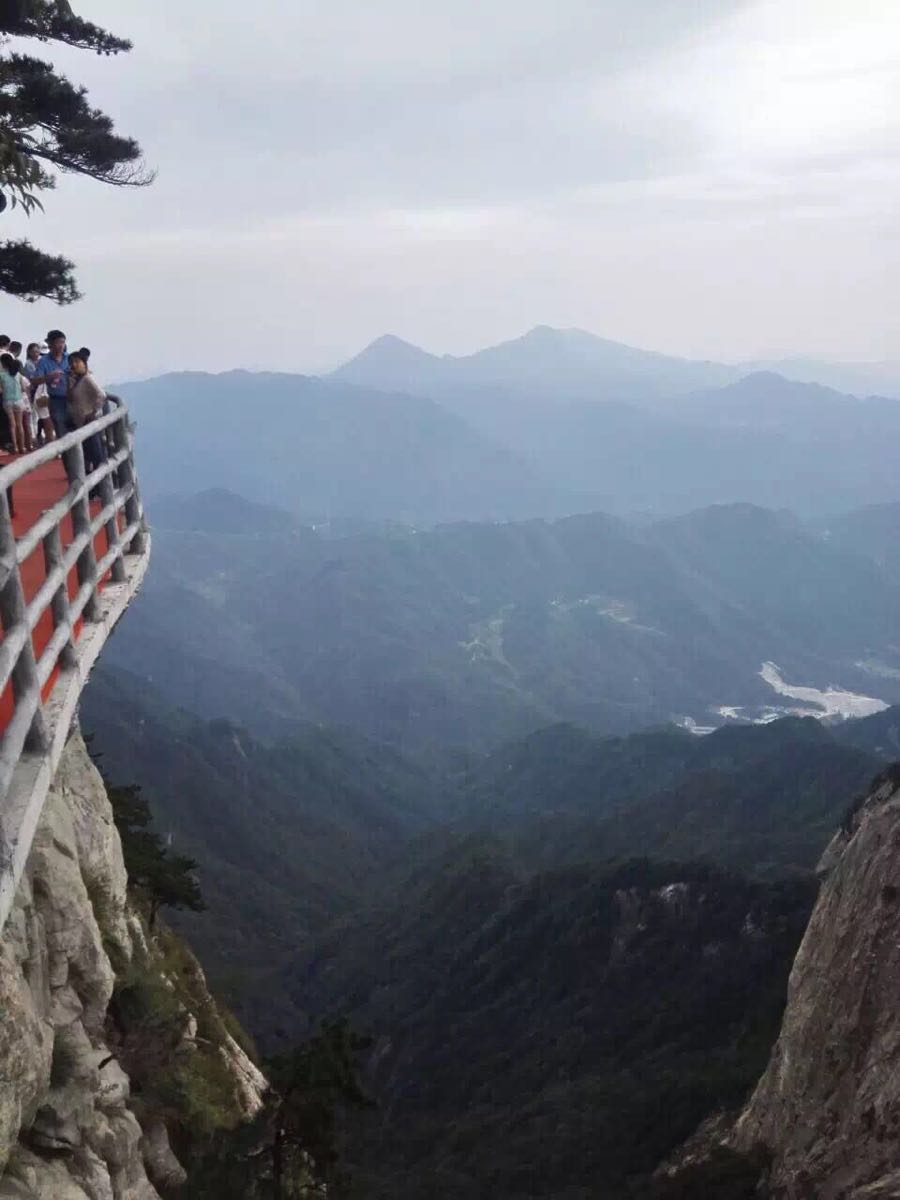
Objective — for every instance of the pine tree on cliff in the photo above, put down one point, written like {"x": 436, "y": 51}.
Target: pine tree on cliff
{"x": 48, "y": 124}
{"x": 162, "y": 879}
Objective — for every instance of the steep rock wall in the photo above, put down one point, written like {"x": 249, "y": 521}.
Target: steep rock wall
{"x": 70, "y": 1128}
{"x": 828, "y": 1106}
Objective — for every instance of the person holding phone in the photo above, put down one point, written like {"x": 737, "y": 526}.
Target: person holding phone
{"x": 53, "y": 370}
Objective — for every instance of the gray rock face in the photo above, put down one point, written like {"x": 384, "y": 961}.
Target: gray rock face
{"x": 160, "y": 1162}
{"x": 66, "y": 1129}
{"x": 828, "y": 1105}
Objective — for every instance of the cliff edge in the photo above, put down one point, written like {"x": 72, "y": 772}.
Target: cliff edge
{"x": 109, "y": 1038}
{"x": 828, "y": 1105}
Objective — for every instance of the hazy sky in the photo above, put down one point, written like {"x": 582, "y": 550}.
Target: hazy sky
{"x": 717, "y": 178}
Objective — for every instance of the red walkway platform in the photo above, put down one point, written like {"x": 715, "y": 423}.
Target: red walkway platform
{"x": 31, "y": 497}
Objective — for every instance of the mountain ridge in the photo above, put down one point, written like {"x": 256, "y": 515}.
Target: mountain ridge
{"x": 855, "y": 378}
{"x": 529, "y": 359}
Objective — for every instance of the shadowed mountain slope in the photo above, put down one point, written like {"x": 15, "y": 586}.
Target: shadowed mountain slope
{"x": 553, "y": 1035}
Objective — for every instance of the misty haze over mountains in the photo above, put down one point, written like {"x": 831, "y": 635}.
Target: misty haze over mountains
{"x": 574, "y": 364}
{"x": 554, "y": 423}
{"x": 338, "y": 509}
{"x": 509, "y": 737}
{"x": 471, "y": 633}
{"x": 438, "y": 762}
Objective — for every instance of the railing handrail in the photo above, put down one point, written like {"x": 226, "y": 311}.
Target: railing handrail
{"x": 32, "y": 742}
{"x": 29, "y": 462}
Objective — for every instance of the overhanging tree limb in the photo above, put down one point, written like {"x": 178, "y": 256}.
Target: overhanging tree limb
{"x": 48, "y": 124}
{"x": 53, "y": 20}
{"x": 32, "y": 275}
{"x": 54, "y": 123}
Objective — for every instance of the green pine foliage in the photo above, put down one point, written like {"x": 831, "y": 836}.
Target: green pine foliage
{"x": 47, "y": 124}
{"x": 177, "y": 1074}
{"x": 156, "y": 876}
{"x": 290, "y": 1151}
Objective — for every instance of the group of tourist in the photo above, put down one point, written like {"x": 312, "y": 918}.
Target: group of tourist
{"x": 47, "y": 393}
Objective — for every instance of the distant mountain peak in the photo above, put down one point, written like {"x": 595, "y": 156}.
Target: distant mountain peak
{"x": 770, "y": 384}
{"x": 388, "y": 362}
{"x": 562, "y": 331}
{"x": 389, "y": 348}
{"x": 394, "y": 344}
{"x": 550, "y": 333}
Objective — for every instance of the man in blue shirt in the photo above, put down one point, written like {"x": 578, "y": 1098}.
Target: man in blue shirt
{"x": 53, "y": 369}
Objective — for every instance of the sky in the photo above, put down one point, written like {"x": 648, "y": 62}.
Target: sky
{"x": 712, "y": 178}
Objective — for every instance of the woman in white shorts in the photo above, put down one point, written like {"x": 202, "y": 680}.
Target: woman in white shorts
{"x": 40, "y": 401}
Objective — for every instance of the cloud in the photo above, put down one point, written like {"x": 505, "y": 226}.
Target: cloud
{"x": 456, "y": 172}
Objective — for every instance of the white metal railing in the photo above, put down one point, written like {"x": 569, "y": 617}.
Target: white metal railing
{"x": 34, "y": 737}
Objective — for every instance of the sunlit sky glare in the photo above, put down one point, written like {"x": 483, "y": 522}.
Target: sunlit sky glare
{"x": 719, "y": 178}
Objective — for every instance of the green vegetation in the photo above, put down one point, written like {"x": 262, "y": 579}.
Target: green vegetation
{"x": 177, "y": 1072}
{"x": 290, "y": 1150}
{"x": 294, "y": 836}
{"x": 172, "y": 1038}
{"x": 157, "y": 877}
{"x": 47, "y": 124}
{"x": 288, "y": 837}
{"x": 569, "y": 950}
{"x": 472, "y": 634}
{"x": 539, "y": 1034}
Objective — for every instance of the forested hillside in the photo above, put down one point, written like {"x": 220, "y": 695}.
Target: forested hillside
{"x": 295, "y": 835}
{"x": 415, "y": 769}
{"x": 288, "y": 837}
{"x": 554, "y": 1036}
{"x": 475, "y": 633}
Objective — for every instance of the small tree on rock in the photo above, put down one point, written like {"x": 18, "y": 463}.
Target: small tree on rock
{"x": 164, "y": 879}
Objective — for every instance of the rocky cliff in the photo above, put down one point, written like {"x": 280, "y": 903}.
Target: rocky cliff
{"x": 109, "y": 1040}
{"x": 824, "y": 1120}
{"x": 828, "y": 1106}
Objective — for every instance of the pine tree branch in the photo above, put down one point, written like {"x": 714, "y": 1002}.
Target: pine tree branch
{"x": 32, "y": 275}
{"x": 46, "y": 121}
{"x": 53, "y": 121}
{"x": 53, "y": 20}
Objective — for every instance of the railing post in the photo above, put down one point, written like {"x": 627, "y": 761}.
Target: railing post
{"x": 133, "y": 510}
{"x": 81, "y": 523}
{"x": 107, "y": 496}
{"x": 12, "y": 613}
{"x": 59, "y": 605}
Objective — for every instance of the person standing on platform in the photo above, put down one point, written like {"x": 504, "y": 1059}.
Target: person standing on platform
{"x": 53, "y": 370}
{"x": 85, "y": 404}
{"x": 39, "y": 399}
{"x": 14, "y": 403}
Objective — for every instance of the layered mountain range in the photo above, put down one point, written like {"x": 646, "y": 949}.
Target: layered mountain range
{"x": 569, "y": 951}
{"x": 471, "y": 633}
{"x": 445, "y": 776}
{"x": 580, "y": 365}
{"x": 554, "y": 423}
